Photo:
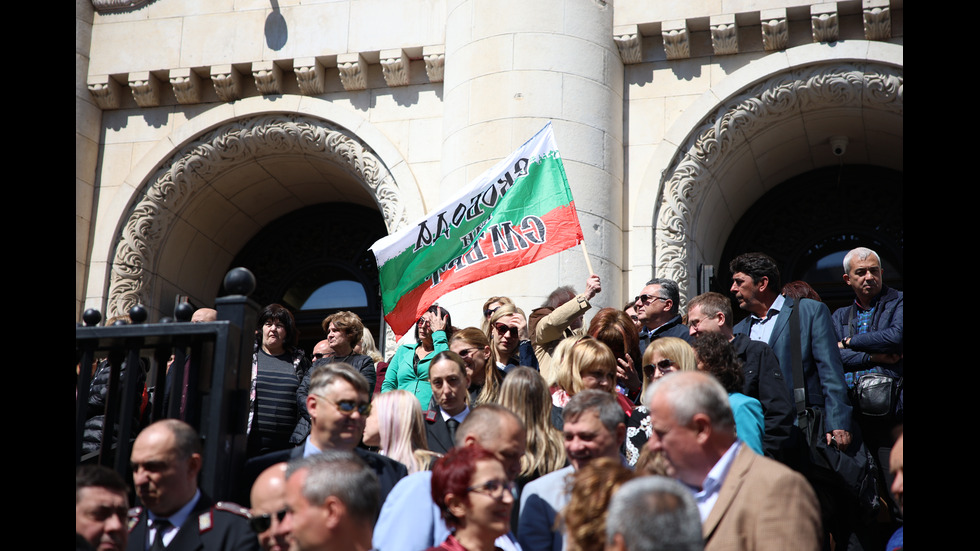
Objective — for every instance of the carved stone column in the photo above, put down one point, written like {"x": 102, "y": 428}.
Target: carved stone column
{"x": 511, "y": 67}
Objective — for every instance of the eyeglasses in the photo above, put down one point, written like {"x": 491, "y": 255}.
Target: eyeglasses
{"x": 348, "y": 407}
{"x": 504, "y": 329}
{"x": 261, "y": 523}
{"x": 493, "y": 488}
{"x": 645, "y": 298}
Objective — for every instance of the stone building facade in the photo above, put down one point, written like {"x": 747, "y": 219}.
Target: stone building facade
{"x": 287, "y": 135}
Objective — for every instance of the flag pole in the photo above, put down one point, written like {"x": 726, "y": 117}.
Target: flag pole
{"x": 588, "y": 263}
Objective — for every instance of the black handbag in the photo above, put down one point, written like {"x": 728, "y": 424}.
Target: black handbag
{"x": 876, "y": 394}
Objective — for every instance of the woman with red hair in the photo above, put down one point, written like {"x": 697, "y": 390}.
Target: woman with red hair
{"x": 471, "y": 488}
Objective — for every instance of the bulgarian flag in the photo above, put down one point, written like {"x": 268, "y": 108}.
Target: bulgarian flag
{"x": 516, "y": 213}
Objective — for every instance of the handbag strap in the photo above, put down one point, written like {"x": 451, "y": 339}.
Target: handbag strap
{"x": 796, "y": 351}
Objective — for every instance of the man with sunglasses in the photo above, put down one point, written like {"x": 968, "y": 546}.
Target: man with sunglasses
{"x": 657, "y": 309}
{"x": 338, "y": 403}
{"x": 269, "y": 508}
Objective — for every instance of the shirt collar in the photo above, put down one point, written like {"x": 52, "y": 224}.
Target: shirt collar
{"x": 177, "y": 519}
{"x": 774, "y": 309}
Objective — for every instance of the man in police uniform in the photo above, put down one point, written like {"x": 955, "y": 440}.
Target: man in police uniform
{"x": 166, "y": 460}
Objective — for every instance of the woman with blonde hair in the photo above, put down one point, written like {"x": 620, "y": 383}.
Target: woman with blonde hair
{"x": 473, "y": 346}
{"x": 489, "y": 308}
{"x": 665, "y": 355}
{"x": 508, "y": 333}
{"x": 525, "y": 393}
{"x": 584, "y": 363}
{"x": 396, "y": 428}
{"x": 662, "y": 356}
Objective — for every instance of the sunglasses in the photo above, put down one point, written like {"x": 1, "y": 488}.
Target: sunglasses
{"x": 348, "y": 407}
{"x": 664, "y": 366}
{"x": 488, "y": 313}
{"x": 504, "y": 329}
{"x": 317, "y": 356}
{"x": 261, "y": 523}
{"x": 645, "y": 298}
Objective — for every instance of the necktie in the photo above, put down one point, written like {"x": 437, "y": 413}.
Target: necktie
{"x": 452, "y": 424}
{"x": 161, "y": 525}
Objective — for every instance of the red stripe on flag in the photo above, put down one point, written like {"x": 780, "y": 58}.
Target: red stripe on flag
{"x": 562, "y": 232}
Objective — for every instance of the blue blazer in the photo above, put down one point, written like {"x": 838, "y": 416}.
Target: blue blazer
{"x": 822, "y": 365}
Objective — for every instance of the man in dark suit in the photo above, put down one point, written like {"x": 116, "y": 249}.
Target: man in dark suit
{"x": 447, "y": 375}
{"x": 755, "y": 282}
{"x": 338, "y": 402}
{"x": 166, "y": 460}
{"x": 657, "y": 308}
{"x": 764, "y": 381}
{"x": 746, "y": 501}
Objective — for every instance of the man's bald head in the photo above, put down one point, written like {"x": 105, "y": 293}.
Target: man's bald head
{"x": 202, "y": 315}
{"x": 268, "y": 499}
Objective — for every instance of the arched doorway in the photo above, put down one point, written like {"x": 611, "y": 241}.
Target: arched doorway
{"x": 315, "y": 261}
{"x": 808, "y": 223}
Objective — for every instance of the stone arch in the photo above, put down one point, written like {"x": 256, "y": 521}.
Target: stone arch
{"x": 698, "y": 202}
{"x": 166, "y": 194}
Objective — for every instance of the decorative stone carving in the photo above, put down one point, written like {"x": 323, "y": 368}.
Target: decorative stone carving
{"x": 107, "y": 6}
{"x": 435, "y": 62}
{"x": 167, "y": 193}
{"x": 310, "y": 76}
{"x": 105, "y": 91}
{"x": 268, "y": 77}
{"x": 227, "y": 82}
{"x": 724, "y": 34}
{"x": 630, "y": 43}
{"x": 775, "y": 29}
{"x": 877, "y": 19}
{"x": 823, "y": 21}
{"x": 871, "y": 86}
{"x": 353, "y": 71}
{"x": 395, "y": 66}
{"x": 145, "y": 88}
{"x": 677, "y": 43}
{"x": 187, "y": 85}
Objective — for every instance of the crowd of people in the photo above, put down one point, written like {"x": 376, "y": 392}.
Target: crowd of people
{"x": 641, "y": 428}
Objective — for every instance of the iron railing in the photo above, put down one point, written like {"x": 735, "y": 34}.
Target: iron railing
{"x": 209, "y": 378}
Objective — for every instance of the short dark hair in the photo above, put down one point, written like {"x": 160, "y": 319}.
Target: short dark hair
{"x": 604, "y": 404}
{"x": 756, "y": 266}
{"x": 88, "y": 476}
{"x": 669, "y": 290}
{"x": 279, "y": 313}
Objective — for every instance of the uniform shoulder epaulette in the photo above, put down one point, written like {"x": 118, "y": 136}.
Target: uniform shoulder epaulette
{"x": 232, "y": 507}
{"x": 134, "y": 516}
